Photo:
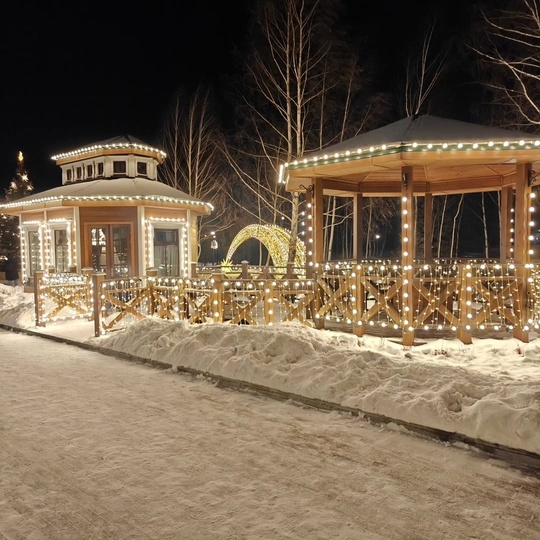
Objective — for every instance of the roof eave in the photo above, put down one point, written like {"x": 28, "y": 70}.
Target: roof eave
{"x": 299, "y": 174}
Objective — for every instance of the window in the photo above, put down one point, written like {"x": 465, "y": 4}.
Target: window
{"x": 119, "y": 167}
{"x": 34, "y": 252}
{"x": 142, "y": 168}
{"x": 79, "y": 173}
{"x": 69, "y": 175}
{"x": 166, "y": 252}
{"x": 89, "y": 171}
{"x": 100, "y": 169}
{"x": 61, "y": 251}
{"x": 61, "y": 256}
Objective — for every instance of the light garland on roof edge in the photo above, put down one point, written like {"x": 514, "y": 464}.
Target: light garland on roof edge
{"x": 108, "y": 198}
{"x": 384, "y": 149}
{"x": 89, "y": 149}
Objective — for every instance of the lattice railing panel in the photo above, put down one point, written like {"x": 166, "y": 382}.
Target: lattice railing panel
{"x": 63, "y": 297}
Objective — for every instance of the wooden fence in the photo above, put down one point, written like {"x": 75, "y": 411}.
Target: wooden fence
{"x": 459, "y": 296}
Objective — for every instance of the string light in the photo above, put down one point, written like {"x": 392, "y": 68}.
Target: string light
{"x": 116, "y": 146}
{"x": 276, "y": 239}
{"x": 384, "y": 149}
{"x": 98, "y": 198}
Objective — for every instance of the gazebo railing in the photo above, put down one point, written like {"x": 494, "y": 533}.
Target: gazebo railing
{"x": 120, "y": 302}
{"x": 462, "y": 296}
{"x": 62, "y": 296}
{"x": 252, "y": 301}
{"x": 446, "y": 296}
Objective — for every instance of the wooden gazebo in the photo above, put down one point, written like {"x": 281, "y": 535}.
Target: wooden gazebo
{"x": 425, "y": 156}
{"x": 110, "y": 214}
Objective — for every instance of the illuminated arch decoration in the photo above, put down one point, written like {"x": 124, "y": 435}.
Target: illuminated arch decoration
{"x": 276, "y": 240}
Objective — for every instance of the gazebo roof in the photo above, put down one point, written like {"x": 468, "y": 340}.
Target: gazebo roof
{"x": 446, "y": 155}
{"x": 123, "y": 144}
{"x": 138, "y": 191}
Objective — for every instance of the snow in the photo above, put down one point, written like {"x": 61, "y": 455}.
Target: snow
{"x": 94, "y": 447}
{"x": 489, "y": 390}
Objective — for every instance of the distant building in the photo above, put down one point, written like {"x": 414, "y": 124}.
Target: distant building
{"x": 110, "y": 214}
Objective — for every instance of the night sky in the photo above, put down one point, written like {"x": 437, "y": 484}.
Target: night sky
{"x": 78, "y": 73}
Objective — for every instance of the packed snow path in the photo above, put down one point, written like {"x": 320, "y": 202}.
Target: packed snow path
{"x": 94, "y": 447}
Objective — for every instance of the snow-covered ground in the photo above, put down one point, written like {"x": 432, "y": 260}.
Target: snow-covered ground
{"x": 93, "y": 447}
{"x": 489, "y": 390}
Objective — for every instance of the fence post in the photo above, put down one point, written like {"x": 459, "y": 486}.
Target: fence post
{"x": 151, "y": 275}
{"x": 182, "y": 303}
{"x": 245, "y": 274}
{"x": 217, "y": 297}
{"x": 97, "y": 280}
{"x": 521, "y": 299}
{"x": 319, "y": 298}
{"x": 359, "y": 329}
{"x": 269, "y": 303}
{"x": 193, "y": 270}
{"x": 73, "y": 269}
{"x": 465, "y": 298}
{"x": 38, "y": 303}
{"x": 290, "y": 271}
{"x": 89, "y": 290}
{"x": 310, "y": 306}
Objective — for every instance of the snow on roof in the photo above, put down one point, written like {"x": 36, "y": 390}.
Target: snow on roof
{"x": 428, "y": 129}
{"x": 114, "y": 189}
{"x": 119, "y": 142}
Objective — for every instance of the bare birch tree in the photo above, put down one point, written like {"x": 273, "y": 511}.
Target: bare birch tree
{"x": 509, "y": 49}
{"x": 455, "y": 228}
{"x": 424, "y": 71}
{"x": 284, "y": 72}
{"x": 194, "y": 165}
{"x": 302, "y": 94}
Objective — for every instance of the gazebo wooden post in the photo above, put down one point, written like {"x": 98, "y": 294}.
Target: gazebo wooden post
{"x": 38, "y": 301}
{"x": 522, "y": 245}
{"x": 359, "y": 329}
{"x": 311, "y": 271}
{"x": 318, "y": 242}
{"x": 428, "y": 226}
{"x": 318, "y": 221}
{"x": 358, "y": 228}
{"x": 506, "y": 208}
{"x": 97, "y": 279}
{"x": 310, "y": 266}
{"x": 466, "y": 279}
{"x": 407, "y": 255}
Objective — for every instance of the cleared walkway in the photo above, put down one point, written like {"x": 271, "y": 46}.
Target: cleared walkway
{"x": 93, "y": 447}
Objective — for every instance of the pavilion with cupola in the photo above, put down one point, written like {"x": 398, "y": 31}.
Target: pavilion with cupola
{"x": 422, "y": 157}
{"x": 110, "y": 214}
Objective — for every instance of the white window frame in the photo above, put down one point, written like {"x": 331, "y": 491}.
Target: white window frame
{"x": 180, "y": 226}
{"x": 60, "y": 226}
{"x": 26, "y": 229}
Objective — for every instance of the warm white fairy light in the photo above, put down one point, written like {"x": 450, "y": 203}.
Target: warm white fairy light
{"x": 148, "y": 252}
{"x": 24, "y": 273}
{"x": 54, "y": 289}
{"x": 385, "y": 148}
{"x": 115, "y": 146}
{"x": 184, "y": 246}
{"x": 40, "y": 237}
{"x": 490, "y": 302}
{"x": 46, "y": 246}
{"x": 85, "y": 198}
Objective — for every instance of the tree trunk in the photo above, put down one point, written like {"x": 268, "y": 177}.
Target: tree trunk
{"x": 455, "y": 227}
